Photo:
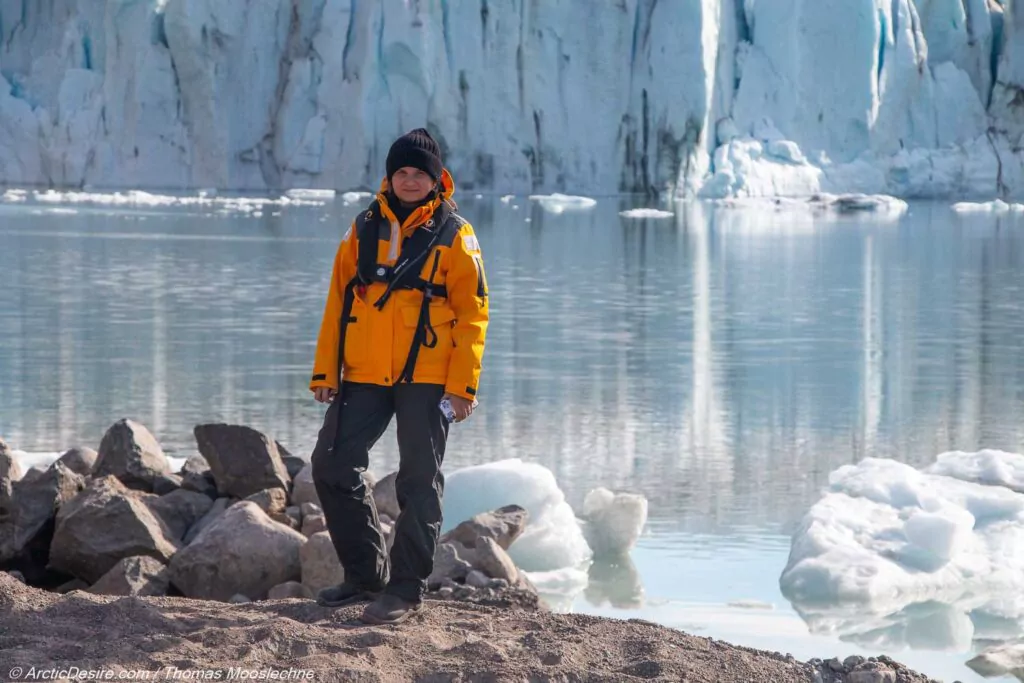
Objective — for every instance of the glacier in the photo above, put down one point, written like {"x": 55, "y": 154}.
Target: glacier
{"x": 705, "y": 98}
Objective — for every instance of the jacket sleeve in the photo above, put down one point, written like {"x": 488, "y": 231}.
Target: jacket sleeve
{"x": 468, "y": 297}
{"x": 326, "y": 372}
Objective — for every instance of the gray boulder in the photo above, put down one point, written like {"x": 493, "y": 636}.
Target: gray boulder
{"x": 491, "y": 559}
{"x": 503, "y": 525}
{"x": 242, "y": 460}
{"x": 385, "y": 497}
{"x": 180, "y": 509}
{"x": 313, "y": 524}
{"x": 137, "y": 575}
{"x": 320, "y": 565}
{"x": 104, "y": 524}
{"x": 165, "y": 483}
{"x": 217, "y": 509}
{"x": 27, "y": 519}
{"x": 129, "y": 452}
{"x": 448, "y": 565}
{"x": 303, "y": 489}
{"x": 242, "y": 551}
{"x": 80, "y": 460}
{"x": 10, "y": 471}
{"x": 289, "y": 589}
{"x": 272, "y": 501}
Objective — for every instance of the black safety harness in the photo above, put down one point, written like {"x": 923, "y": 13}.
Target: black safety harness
{"x": 440, "y": 229}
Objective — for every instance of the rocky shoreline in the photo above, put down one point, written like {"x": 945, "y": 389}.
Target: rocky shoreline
{"x": 112, "y": 560}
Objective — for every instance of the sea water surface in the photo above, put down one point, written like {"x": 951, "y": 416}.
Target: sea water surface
{"x": 722, "y": 362}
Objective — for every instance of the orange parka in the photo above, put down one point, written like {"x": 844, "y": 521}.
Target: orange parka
{"x": 377, "y": 341}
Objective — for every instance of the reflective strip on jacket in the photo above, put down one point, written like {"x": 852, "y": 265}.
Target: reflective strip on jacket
{"x": 377, "y": 342}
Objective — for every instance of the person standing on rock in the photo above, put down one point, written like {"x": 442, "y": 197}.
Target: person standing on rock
{"x": 403, "y": 329}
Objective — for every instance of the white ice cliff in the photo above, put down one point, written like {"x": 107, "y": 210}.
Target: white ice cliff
{"x": 706, "y": 97}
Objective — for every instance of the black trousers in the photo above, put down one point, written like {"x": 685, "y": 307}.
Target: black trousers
{"x": 354, "y": 422}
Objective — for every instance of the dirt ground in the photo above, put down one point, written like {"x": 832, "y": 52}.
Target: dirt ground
{"x": 93, "y": 637}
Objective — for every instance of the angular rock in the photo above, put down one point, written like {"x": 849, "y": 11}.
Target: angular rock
{"x": 72, "y": 585}
{"x": 272, "y": 501}
{"x": 166, "y": 483}
{"x": 491, "y": 559}
{"x": 18, "y": 575}
{"x": 292, "y": 464}
{"x": 295, "y": 513}
{"x": 242, "y": 551}
{"x": 80, "y": 460}
{"x": 180, "y": 509}
{"x": 104, "y": 524}
{"x": 287, "y": 520}
{"x": 303, "y": 489}
{"x": 196, "y": 464}
{"x": 32, "y": 474}
{"x": 320, "y": 565}
{"x": 881, "y": 675}
{"x": 504, "y": 525}
{"x": 10, "y": 471}
{"x": 477, "y": 579}
{"x": 216, "y": 510}
{"x": 138, "y": 575}
{"x": 289, "y": 589}
{"x": 310, "y": 509}
{"x": 243, "y": 461}
{"x": 26, "y": 526}
{"x": 200, "y": 482}
{"x": 448, "y": 565}
{"x": 385, "y": 497}
{"x": 313, "y": 524}
{"x": 129, "y": 452}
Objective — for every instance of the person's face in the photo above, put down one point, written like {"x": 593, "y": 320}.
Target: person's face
{"x": 411, "y": 184}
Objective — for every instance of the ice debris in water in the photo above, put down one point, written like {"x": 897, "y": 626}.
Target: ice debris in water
{"x": 553, "y": 538}
{"x": 302, "y": 193}
{"x": 15, "y": 196}
{"x": 822, "y": 203}
{"x": 558, "y": 203}
{"x": 507, "y": 198}
{"x": 43, "y": 459}
{"x": 353, "y": 197}
{"x": 646, "y": 213}
{"x": 613, "y": 521}
{"x": 996, "y": 206}
{"x": 885, "y": 535}
{"x": 139, "y": 198}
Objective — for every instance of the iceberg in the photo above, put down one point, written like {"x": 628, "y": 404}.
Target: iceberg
{"x": 995, "y": 206}
{"x": 613, "y": 521}
{"x": 553, "y": 539}
{"x": 714, "y": 98}
{"x": 891, "y": 553}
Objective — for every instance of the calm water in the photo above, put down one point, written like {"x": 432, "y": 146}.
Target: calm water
{"x": 721, "y": 362}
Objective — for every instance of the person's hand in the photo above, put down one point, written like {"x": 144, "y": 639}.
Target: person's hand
{"x": 324, "y": 394}
{"x": 462, "y": 407}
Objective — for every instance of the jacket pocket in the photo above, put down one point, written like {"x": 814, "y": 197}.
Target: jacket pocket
{"x": 357, "y": 335}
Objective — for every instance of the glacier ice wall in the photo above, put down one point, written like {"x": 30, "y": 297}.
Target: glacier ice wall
{"x": 711, "y": 97}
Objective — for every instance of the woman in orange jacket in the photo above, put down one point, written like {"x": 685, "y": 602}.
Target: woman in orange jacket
{"x": 403, "y": 331}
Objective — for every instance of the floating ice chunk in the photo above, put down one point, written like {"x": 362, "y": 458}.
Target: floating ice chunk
{"x": 822, "y": 203}
{"x": 478, "y": 196}
{"x": 353, "y": 197}
{"x": 992, "y": 467}
{"x": 44, "y": 459}
{"x": 30, "y": 459}
{"x": 613, "y": 521}
{"x": 553, "y": 538}
{"x": 15, "y": 196}
{"x": 750, "y": 604}
{"x": 995, "y": 206}
{"x": 558, "y": 203}
{"x": 1002, "y": 660}
{"x": 559, "y": 587}
{"x": 646, "y": 213}
{"x": 507, "y": 198}
{"x": 887, "y": 535}
{"x": 139, "y": 198}
{"x": 305, "y": 193}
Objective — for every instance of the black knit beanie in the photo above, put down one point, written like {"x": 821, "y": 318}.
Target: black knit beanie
{"x": 417, "y": 149}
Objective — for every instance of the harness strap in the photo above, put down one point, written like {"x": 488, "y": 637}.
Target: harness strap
{"x": 423, "y": 327}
